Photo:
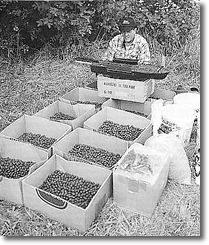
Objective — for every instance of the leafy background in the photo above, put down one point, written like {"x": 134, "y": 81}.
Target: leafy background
{"x": 28, "y": 26}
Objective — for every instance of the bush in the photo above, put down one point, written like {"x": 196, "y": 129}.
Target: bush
{"x": 27, "y": 26}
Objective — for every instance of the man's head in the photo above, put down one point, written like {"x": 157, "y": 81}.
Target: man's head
{"x": 128, "y": 28}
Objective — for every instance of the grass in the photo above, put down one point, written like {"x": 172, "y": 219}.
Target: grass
{"x": 184, "y": 66}
{"x": 27, "y": 88}
{"x": 177, "y": 214}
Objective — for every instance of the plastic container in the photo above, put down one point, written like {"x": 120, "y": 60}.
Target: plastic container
{"x": 140, "y": 192}
{"x": 190, "y": 99}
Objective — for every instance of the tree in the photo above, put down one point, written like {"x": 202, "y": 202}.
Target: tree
{"x": 29, "y": 25}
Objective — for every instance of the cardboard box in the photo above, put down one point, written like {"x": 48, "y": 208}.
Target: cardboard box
{"x": 163, "y": 94}
{"x": 140, "y": 192}
{"x": 90, "y": 138}
{"x": 130, "y": 90}
{"x": 84, "y": 95}
{"x": 11, "y": 189}
{"x": 123, "y": 118}
{"x": 59, "y": 209}
{"x": 158, "y": 93}
{"x": 36, "y": 125}
{"x": 143, "y": 108}
{"x": 81, "y": 112}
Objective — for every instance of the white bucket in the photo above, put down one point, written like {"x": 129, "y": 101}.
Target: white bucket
{"x": 183, "y": 117}
{"x": 190, "y": 99}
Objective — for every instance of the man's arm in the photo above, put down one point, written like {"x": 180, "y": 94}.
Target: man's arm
{"x": 144, "y": 54}
{"x": 111, "y": 50}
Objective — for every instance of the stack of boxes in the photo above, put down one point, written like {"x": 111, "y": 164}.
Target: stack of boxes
{"x": 122, "y": 102}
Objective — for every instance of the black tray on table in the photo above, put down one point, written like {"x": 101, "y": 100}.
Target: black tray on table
{"x": 130, "y": 72}
{"x": 125, "y": 69}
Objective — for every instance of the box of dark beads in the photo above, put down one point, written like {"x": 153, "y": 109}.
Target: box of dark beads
{"x": 17, "y": 161}
{"x": 91, "y": 147}
{"x": 72, "y": 193}
{"x": 40, "y": 132}
{"x": 63, "y": 112}
{"x": 121, "y": 124}
{"x": 84, "y": 96}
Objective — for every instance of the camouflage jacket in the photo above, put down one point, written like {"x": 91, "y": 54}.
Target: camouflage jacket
{"x": 138, "y": 49}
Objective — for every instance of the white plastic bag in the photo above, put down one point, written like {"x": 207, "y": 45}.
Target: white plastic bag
{"x": 191, "y": 100}
{"x": 172, "y": 119}
{"x": 179, "y": 169}
{"x": 156, "y": 118}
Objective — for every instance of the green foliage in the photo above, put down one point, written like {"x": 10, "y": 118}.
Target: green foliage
{"x": 169, "y": 22}
{"x": 29, "y": 25}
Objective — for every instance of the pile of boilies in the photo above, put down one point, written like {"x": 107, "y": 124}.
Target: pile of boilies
{"x": 14, "y": 168}
{"x": 61, "y": 116}
{"x": 97, "y": 104}
{"x": 37, "y": 140}
{"x": 125, "y": 132}
{"x": 95, "y": 155}
{"x": 71, "y": 188}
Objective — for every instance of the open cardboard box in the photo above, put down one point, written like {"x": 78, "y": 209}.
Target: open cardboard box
{"x": 11, "y": 189}
{"x": 90, "y": 138}
{"x": 163, "y": 94}
{"x": 80, "y": 112}
{"x": 143, "y": 108}
{"x": 122, "y": 118}
{"x": 59, "y": 209}
{"x": 140, "y": 192}
{"x": 36, "y": 125}
{"x": 89, "y": 96}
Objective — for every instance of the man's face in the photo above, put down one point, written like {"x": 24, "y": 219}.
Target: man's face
{"x": 129, "y": 35}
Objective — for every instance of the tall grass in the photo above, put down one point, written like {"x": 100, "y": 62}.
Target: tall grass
{"x": 187, "y": 59}
{"x": 183, "y": 63}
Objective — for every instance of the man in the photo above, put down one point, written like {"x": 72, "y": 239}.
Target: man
{"x": 128, "y": 44}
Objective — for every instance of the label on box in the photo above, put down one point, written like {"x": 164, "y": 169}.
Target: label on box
{"x": 137, "y": 91}
{"x": 107, "y": 92}
{"x": 111, "y": 84}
